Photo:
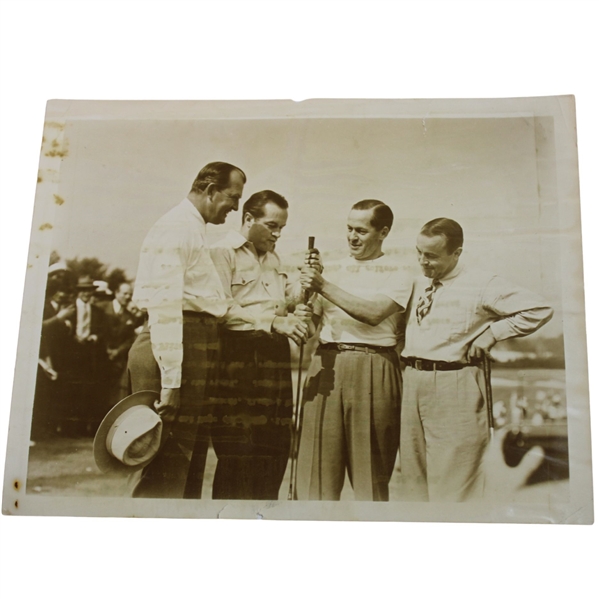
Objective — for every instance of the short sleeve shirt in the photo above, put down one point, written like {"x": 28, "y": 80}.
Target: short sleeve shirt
{"x": 364, "y": 279}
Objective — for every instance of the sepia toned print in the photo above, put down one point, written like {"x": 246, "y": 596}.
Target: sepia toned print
{"x": 184, "y": 354}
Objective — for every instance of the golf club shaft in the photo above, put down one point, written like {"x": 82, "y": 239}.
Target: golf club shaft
{"x": 489, "y": 394}
{"x": 298, "y": 403}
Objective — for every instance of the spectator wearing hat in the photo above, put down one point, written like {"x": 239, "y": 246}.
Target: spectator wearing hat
{"x": 86, "y": 388}
{"x": 102, "y": 294}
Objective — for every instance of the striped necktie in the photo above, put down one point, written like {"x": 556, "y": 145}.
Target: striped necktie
{"x": 426, "y": 301}
{"x": 84, "y": 322}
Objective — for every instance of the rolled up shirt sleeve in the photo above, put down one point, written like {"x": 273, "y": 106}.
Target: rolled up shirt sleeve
{"x": 521, "y": 312}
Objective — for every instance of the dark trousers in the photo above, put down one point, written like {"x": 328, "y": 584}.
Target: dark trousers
{"x": 251, "y": 430}
{"x": 178, "y": 470}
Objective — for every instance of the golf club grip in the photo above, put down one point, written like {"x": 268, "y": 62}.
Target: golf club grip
{"x": 310, "y": 247}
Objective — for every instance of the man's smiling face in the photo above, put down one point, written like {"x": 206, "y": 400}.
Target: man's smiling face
{"x": 365, "y": 241}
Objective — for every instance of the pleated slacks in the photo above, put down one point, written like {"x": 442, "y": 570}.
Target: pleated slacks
{"x": 351, "y": 422}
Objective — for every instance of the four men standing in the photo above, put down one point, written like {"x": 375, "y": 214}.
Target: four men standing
{"x": 352, "y": 395}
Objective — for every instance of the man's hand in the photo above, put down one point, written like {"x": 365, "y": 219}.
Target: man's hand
{"x": 66, "y": 312}
{"x": 312, "y": 260}
{"x": 168, "y": 404}
{"x": 304, "y": 312}
{"x": 481, "y": 346}
{"x": 48, "y": 370}
{"x": 291, "y": 326}
{"x": 311, "y": 279}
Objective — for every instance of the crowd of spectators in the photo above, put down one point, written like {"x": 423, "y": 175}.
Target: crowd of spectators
{"x": 87, "y": 330}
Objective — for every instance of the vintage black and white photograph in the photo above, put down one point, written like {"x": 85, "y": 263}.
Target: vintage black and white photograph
{"x": 335, "y": 309}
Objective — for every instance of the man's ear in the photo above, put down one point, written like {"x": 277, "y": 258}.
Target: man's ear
{"x": 384, "y": 232}
{"x": 458, "y": 252}
{"x": 209, "y": 191}
{"x": 247, "y": 218}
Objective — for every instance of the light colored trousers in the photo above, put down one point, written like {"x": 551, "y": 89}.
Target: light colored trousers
{"x": 351, "y": 409}
{"x": 444, "y": 432}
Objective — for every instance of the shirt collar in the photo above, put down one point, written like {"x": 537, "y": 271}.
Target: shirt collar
{"x": 117, "y": 306}
{"x": 83, "y": 305}
{"x": 447, "y": 280}
{"x": 188, "y": 206}
{"x": 452, "y": 274}
{"x": 236, "y": 240}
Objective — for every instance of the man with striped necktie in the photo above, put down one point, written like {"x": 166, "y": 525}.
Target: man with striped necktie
{"x": 457, "y": 315}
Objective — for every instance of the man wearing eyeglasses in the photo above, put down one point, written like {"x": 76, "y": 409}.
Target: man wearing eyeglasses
{"x": 177, "y": 284}
{"x": 253, "y": 402}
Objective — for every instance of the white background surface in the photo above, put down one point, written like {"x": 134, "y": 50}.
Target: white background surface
{"x": 252, "y": 50}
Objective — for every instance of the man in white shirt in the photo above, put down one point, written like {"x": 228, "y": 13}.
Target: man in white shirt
{"x": 251, "y": 427}
{"x": 457, "y": 314}
{"x": 351, "y": 399}
{"x": 177, "y": 284}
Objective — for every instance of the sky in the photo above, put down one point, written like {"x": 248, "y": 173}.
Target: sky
{"x": 115, "y": 178}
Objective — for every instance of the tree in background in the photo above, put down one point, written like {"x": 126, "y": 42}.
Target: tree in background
{"x": 94, "y": 268}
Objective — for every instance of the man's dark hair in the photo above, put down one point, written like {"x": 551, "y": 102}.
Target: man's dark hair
{"x": 218, "y": 173}
{"x": 382, "y": 215}
{"x": 452, "y": 231}
{"x": 254, "y": 205}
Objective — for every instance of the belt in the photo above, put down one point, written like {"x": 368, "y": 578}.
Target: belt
{"x": 422, "y": 364}
{"x": 247, "y": 334}
{"x": 360, "y": 347}
{"x": 191, "y": 314}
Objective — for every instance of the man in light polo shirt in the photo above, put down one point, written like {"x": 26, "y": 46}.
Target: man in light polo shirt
{"x": 457, "y": 314}
{"x": 177, "y": 284}
{"x": 351, "y": 400}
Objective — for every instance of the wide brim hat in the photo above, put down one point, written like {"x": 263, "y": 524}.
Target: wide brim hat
{"x": 102, "y": 288}
{"x": 85, "y": 282}
{"x": 132, "y": 424}
{"x": 57, "y": 267}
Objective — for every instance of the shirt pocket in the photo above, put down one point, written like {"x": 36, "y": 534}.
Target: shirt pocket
{"x": 243, "y": 282}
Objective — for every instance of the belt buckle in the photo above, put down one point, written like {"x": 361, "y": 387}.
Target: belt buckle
{"x": 418, "y": 364}
{"x": 344, "y": 347}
